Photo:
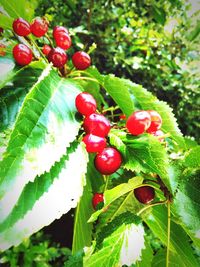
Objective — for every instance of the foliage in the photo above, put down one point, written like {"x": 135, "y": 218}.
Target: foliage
{"x": 45, "y": 170}
{"x": 153, "y": 43}
{"x": 38, "y": 250}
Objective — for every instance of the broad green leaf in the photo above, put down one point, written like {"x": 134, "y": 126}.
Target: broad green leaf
{"x": 19, "y": 8}
{"x": 186, "y": 204}
{"x": 120, "y": 243}
{"x": 82, "y": 229}
{"x": 7, "y": 66}
{"x": 44, "y": 128}
{"x": 46, "y": 199}
{"x": 179, "y": 241}
{"x": 143, "y": 153}
{"x": 192, "y": 158}
{"x": 118, "y": 90}
{"x": 5, "y": 22}
{"x": 159, "y": 14}
{"x": 159, "y": 260}
{"x": 116, "y": 192}
{"x": 13, "y": 94}
{"x": 147, "y": 256}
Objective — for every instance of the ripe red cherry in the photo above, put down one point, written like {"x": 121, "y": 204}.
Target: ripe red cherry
{"x": 21, "y": 27}
{"x": 63, "y": 40}
{"x": 159, "y": 134}
{"x": 94, "y": 143}
{"x": 46, "y": 49}
{"x": 108, "y": 161}
{"x": 144, "y": 194}
{"x": 81, "y": 60}
{"x": 59, "y": 29}
{"x": 39, "y": 27}
{"x": 138, "y": 122}
{"x": 98, "y": 201}
{"x": 156, "y": 121}
{"x": 96, "y": 124}
{"x": 58, "y": 57}
{"x": 85, "y": 103}
{"x": 22, "y": 54}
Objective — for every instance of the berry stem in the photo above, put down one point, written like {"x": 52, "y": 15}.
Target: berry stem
{"x": 111, "y": 109}
{"x": 49, "y": 39}
{"x": 37, "y": 47}
{"x": 168, "y": 231}
{"x": 106, "y": 180}
{"x": 150, "y": 206}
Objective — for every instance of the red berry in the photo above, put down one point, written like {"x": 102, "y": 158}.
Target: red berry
{"x": 46, "y": 49}
{"x": 138, "y": 122}
{"x": 122, "y": 117}
{"x": 97, "y": 199}
{"x": 21, "y": 27}
{"x": 85, "y": 103}
{"x": 94, "y": 143}
{"x": 22, "y": 54}
{"x": 81, "y": 60}
{"x": 63, "y": 40}
{"x": 108, "y": 161}
{"x": 156, "y": 121}
{"x": 58, "y": 57}
{"x": 159, "y": 134}
{"x": 39, "y": 27}
{"x": 144, "y": 194}
{"x": 96, "y": 124}
{"x": 59, "y": 29}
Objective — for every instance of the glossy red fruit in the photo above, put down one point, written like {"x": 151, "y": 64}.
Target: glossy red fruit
{"x": 81, "y": 60}
{"x": 85, "y": 103}
{"x": 21, "y": 27}
{"x": 108, "y": 161}
{"x": 122, "y": 117}
{"x": 59, "y": 29}
{"x": 96, "y": 124}
{"x": 144, "y": 194}
{"x": 58, "y": 57}
{"x": 138, "y": 122}
{"x": 22, "y": 54}
{"x": 39, "y": 27}
{"x": 97, "y": 201}
{"x": 63, "y": 40}
{"x": 94, "y": 143}
{"x": 46, "y": 49}
{"x": 159, "y": 134}
{"x": 156, "y": 121}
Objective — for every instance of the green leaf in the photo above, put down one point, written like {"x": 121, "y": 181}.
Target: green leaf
{"x": 44, "y": 128}
{"x": 5, "y": 22}
{"x": 47, "y": 198}
{"x": 118, "y": 90}
{"x": 7, "y": 66}
{"x": 159, "y": 260}
{"x": 147, "y": 256}
{"x": 122, "y": 236}
{"x": 192, "y": 158}
{"x": 179, "y": 241}
{"x": 186, "y": 204}
{"x": 19, "y": 8}
{"x": 13, "y": 94}
{"x": 194, "y": 33}
{"x": 82, "y": 235}
{"x": 116, "y": 192}
{"x": 159, "y": 14}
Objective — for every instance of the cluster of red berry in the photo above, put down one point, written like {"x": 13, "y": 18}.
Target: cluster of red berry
{"x": 23, "y": 54}
{"x": 141, "y": 121}
{"x": 108, "y": 159}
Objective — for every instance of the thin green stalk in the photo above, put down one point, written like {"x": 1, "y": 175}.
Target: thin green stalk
{"x": 168, "y": 231}
{"x": 150, "y": 206}
{"x": 106, "y": 180}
